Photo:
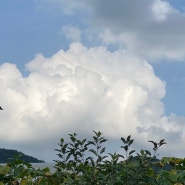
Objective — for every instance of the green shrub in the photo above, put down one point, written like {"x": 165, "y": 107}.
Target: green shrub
{"x": 86, "y": 162}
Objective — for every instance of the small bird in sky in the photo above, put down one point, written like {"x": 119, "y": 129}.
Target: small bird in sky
{"x": 1, "y": 108}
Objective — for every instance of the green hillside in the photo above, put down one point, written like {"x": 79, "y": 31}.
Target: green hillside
{"x": 6, "y": 155}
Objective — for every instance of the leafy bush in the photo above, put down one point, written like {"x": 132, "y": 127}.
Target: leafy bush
{"x": 20, "y": 172}
{"x": 85, "y": 162}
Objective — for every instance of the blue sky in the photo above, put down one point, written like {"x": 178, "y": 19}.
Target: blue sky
{"x": 173, "y": 74}
{"x": 59, "y": 57}
{"x": 24, "y": 25}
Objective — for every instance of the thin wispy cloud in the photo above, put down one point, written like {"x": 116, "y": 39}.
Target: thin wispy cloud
{"x": 144, "y": 27}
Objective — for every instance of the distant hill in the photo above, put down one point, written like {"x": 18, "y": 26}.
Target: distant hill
{"x": 6, "y": 155}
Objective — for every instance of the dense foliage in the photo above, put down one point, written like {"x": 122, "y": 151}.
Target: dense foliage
{"x": 83, "y": 162}
{"x": 6, "y": 155}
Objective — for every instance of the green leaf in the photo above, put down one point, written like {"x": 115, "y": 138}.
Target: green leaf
{"x": 62, "y": 140}
{"x": 93, "y": 151}
{"x": 18, "y": 171}
{"x": 150, "y": 172}
{"x": 102, "y": 150}
{"x": 162, "y": 142}
{"x": 123, "y": 139}
{"x": 131, "y": 152}
{"x": 125, "y": 147}
{"x": 103, "y": 140}
{"x": 173, "y": 176}
{"x": 148, "y": 152}
{"x": 95, "y": 138}
{"x": 98, "y": 134}
{"x": 155, "y": 145}
{"x": 83, "y": 141}
{"x": 130, "y": 142}
{"x": 128, "y": 138}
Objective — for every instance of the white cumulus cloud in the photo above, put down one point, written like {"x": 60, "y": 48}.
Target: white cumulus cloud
{"x": 80, "y": 90}
{"x": 161, "y": 9}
